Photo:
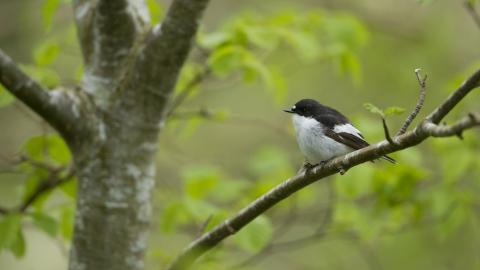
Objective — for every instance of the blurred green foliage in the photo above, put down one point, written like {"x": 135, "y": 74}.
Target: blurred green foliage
{"x": 434, "y": 187}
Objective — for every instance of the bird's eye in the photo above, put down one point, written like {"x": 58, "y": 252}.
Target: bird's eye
{"x": 293, "y": 108}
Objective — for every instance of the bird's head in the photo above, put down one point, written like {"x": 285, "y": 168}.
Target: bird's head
{"x": 305, "y": 107}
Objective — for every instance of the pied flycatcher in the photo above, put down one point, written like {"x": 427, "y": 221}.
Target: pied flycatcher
{"x": 324, "y": 133}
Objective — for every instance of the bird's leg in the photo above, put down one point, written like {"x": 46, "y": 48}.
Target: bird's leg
{"x": 306, "y": 167}
{"x": 341, "y": 170}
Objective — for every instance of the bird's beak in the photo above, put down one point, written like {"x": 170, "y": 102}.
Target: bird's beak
{"x": 288, "y": 111}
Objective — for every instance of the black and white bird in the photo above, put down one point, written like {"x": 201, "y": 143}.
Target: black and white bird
{"x": 324, "y": 133}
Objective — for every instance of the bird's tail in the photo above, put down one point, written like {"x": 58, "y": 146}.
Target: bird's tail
{"x": 389, "y": 159}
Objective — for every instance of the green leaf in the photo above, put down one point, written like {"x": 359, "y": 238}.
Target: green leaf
{"x": 270, "y": 159}
{"x": 70, "y": 188}
{"x": 394, "y": 111}
{"x": 255, "y": 235}
{"x": 156, "y": 11}
{"x": 198, "y": 209}
{"x": 48, "y": 148}
{"x": 348, "y": 64}
{"x": 11, "y": 236}
{"x": 199, "y": 181}
{"x": 66, "y": 222}
{"x": 229, "y": 190}
{"x": 49, "y": 8}
{"x": 5, "y": 97}
{"x": 46, "y": 223}
{"x": 305, "y": 43}
{"x": 213, "y": 40}
{"x": 373, "y": 109}
{"x": 173, "y": 215}
{"x": 46, "y": 53}
{"x": 18, "y": 246}
{"x": 225, "y": 59}
{"x": 261, "y": 36}
{"x": 9, "y": 227}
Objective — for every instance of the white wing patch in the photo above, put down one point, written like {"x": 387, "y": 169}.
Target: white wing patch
{"x": 348, "y": 128}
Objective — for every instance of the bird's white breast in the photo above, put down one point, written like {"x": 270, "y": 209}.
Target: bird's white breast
{"x": 313, "y": 143}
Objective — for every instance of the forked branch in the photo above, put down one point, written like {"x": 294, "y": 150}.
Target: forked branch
{"x": 427, "y": 128}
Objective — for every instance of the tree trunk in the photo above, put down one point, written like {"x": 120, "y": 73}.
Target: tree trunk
{"x": 130, "y": 72}
{"x": 116, "y": 176}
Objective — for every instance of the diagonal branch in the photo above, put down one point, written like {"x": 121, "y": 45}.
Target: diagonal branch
{"x": 441, "y": 111}
{"x": 58, "y": 109}
{"x": 210, "y": 239}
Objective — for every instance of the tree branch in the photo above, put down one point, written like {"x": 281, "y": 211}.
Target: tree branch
{"x": 159, "y": 62}
{"x": 441, "y": 111}
{"x": 54, "y": 180}
{"x": 57, "y": 108}
{"x": 210, "y": 239}
{"x": 108, "y": 32}
{"x": 421, "y": 99}
{"x": 456, "y": 129}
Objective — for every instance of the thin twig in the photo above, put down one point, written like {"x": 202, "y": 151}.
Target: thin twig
{"x": 187, "y": 91}
{"x": 45, "y": 186}
{"x": 54, "y": 180}
{"x": 470, "y": 7}
{"x": 204, "y": 225}
{"x": 421, "y": 99}
{"x": 387, "y": 133}
{"x": 40, "y": 164}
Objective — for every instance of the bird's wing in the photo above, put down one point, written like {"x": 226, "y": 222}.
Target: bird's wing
{"x": 344, "y": 132}
{"x": 340, "y": 130}
{"x": 349, "y": 139}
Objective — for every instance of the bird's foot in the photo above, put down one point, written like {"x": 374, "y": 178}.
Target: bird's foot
{"x": 306, "y": 167}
